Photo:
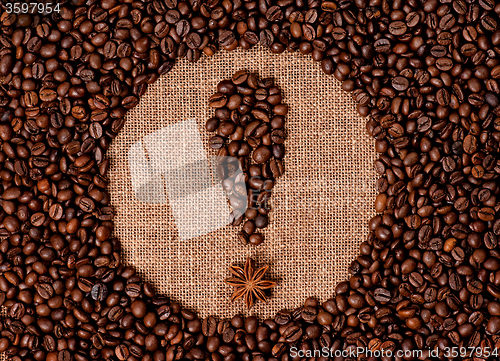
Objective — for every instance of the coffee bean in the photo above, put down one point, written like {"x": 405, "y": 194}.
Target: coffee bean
{"x": 64, "y": 355}
{"x": 226, "y": 37}
{"x": 382, "y": 295}
{"x": 122, "y": 352}
{"x": 382, "y": 45}
{"x": 239, "y": 77}
{"x": 45, "y": 290}
{"x": 11, "y": 193}
{"x": 261, "y": 154}
{"x": 193, "y": 40}
{"x": 470, "y": 144}
{"x": 400, "y": 83}
{"x": 266, "y": 38}
{"x": 274, "y": 14}
{"x": 339, "y": 33}
{"x": 218, "y": 100}
{"x": 216, "y": 142}
{"x": 416, "y": 279}
{"x": 292, "y": 334}
{"x": 6, "y": 64}
{"x": 444, "y": 64}
{"x": 99, "y": 292}
{"x": 449, "y": 164}
{"x": 397, "y": 28}
{"x": 209, "y": 326}
{"x": 130, "y": 102}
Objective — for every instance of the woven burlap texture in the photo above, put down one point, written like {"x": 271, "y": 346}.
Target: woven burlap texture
{"x": 320, "y": 207}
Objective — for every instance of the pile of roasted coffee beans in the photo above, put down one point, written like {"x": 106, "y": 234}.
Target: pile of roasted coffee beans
{"x": 428, "y": 275}
{"x": 249, "y": 123}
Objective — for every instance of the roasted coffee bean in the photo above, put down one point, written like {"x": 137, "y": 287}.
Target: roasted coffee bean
{"x": 328, "y": 6}
{"x": 266, "y": 38}
{"x": 209, "y": 326}
{"x": 397, "y": 28}
{"x": 226, "y": 38}
{"x": 400, "y": 83}
{"x": 274, "y": 14}
{"x": 99, "y": 292}
{"x": 218, "y": 100}
{"x": 382, "y": 295}
{"x": 216, "y": 142}
{"x": 261, "y": 154}
{"x": 64, "y": 355}
{"x": 382, "y": 45}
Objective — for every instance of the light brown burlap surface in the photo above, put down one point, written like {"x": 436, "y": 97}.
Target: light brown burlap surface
{"x": 320, "y": 207}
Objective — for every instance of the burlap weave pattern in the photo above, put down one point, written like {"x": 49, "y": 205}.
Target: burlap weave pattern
{"x": 320, "y": 207}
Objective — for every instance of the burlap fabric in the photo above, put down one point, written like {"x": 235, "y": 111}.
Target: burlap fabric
{"x": 320, "y": 207}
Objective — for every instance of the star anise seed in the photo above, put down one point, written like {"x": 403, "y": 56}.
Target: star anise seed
{"x": 248, "y": 283}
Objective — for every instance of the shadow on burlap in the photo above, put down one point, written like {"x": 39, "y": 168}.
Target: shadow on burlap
{"x": 320, "y": 207}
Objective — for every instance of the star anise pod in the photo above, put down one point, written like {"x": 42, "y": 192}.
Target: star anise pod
{"x": 248, "y": 283}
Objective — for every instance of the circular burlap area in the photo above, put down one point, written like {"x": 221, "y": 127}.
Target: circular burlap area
{"x": 320, "y": 207}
